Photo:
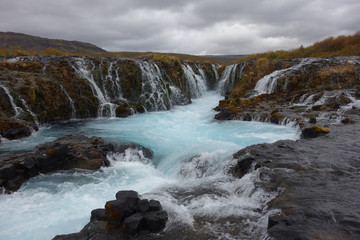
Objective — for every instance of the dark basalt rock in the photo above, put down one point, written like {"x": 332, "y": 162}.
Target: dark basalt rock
{"x": 13, "y": 129}
{"x": 124, "y": 218}
{"x": 65, "y": 153}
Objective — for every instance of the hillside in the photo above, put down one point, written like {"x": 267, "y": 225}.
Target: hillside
{"x": 20, "y": 41}
{"x": 340, "y": 46}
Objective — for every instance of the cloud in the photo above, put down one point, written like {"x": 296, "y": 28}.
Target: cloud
{"x": 195, "y": 27}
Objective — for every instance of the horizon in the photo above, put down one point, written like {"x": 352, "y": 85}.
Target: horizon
{"x": 189, "y": 27}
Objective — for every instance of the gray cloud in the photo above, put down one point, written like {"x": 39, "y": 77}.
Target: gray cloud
{"x": 195, "y": 27}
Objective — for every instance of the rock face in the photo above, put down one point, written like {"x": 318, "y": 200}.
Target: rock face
{"x": 123, "y": 218}
{"x": 65, "y": 153}
{"x": 303, "y": 91}
{"x": 41, "y": 89}
{"x": 315, "y": 180}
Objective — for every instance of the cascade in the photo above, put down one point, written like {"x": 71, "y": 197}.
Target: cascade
{"x": 267, "y": 84}
{"x": 228, "y": 77}
{"x": 106, "y": 108}
{"x": 113, "y": 83}
{"x": 154, "y": 95}
{"x": 71, "y": 102}
{"x": 16, "y": 109}
{"x": 196, "y": 82}
{"x": 216, "y": 73}
{"x": 27, "y": 108}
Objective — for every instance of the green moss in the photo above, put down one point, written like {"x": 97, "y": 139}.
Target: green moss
{"x": 320, "y": 129}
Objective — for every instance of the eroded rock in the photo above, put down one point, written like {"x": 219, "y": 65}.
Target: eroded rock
{"x": 65, "y": 153}
{"x": 124, "y": 218}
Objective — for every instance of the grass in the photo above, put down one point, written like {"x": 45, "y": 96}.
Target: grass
{"x": 329, "y": 47}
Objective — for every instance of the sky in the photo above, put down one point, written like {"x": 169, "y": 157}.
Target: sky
{"x": 198, "y": 27}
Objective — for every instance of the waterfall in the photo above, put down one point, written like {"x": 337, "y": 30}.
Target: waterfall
{"x": 216, "y": 73}
{"x": 196, "y": 82}
{"x": 114, "y": 82}
{"x": 71, "y": 102}
{"x": 27, "y": 108}
{"x": 267, "y": 84}
{"x": 154, "y": 95}
{"x": 106, "y": 108}
{"x": 228, "y": 77}
{"x": 17, "y": 110}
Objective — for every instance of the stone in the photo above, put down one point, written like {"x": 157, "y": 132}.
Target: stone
{"x": 8, "y": 171}
{"x": 242, "y": 167}
{"x": 154, "y": 205}
{"x": 314, "y": 131}
{"x": 135, "y": 223}
{"x": 143, "y": 205}
{"x": 65, "y": 153}
{"x": 118, "y": 210}
{"x": 156, "y": 221}
{"x": 98, "y": 215}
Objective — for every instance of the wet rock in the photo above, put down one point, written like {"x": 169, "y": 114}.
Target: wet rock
{"x": 242, "y": 167}
{"x": 124, "y": 218}
{"x": 13, "y": 129}
{"x": 314, "y": 132}
{"x": 98, "y": 215}
{"x": 65, "y": 153}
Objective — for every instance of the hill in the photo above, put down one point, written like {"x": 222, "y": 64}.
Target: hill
{"x": 28, "y": 43}
{"x": 340, "y": 46}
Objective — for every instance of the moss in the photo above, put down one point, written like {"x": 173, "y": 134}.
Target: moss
{"x": 320, "y": 129}
{"x": 52, "y": 152}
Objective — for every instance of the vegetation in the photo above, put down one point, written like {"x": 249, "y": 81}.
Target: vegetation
{"x": 329, "y": 47}
{"x": 33, "y": 44}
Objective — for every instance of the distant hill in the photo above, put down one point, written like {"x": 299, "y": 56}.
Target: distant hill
{"x": 224, "y": 58}
{"x": 15, "y": 41}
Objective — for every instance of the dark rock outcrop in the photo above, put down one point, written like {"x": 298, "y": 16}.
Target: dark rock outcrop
{"x": 65, "y": 153}
{"x": 127, "y": 217}
{"x": 315, "y": 182}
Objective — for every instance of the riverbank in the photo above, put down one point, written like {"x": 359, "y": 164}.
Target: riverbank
{"x": 319, "y": 183}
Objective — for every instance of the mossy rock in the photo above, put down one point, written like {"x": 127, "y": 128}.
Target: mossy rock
{"x": 314, "y": 131}
{"x": 320, "y": 129}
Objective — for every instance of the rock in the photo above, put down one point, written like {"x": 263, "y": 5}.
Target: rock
{"x": 312, "y": 120}
{"x": 118, "y": 210}
{"x": 98, "y": 215}
{"x": 156, "y": 221}
{"x": 314, "y": 132}
{"x": 154, "y": 205}
{"x": 8, "y": 171}
{"x": 135, "y": 223}
{"x": 14, "y": 129}
{"x": 65, "y": 153}
{"x": 242, "y": 167}
{"x": 123, "y": 218}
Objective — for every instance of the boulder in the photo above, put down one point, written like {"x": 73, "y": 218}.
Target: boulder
{"x": 124, "y": 218}
{"x": 65, "y": 153}
{"x": 314, "y": 131}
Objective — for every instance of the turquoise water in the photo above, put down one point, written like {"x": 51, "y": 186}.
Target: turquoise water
{"x": 61, "y": 202}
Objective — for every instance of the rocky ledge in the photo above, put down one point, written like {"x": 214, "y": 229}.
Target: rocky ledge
{"x": 65, "y": 153}
{"x": 317, "y": 182}
{"x": 127, "y": 217}
{"x": 303, "y": 91}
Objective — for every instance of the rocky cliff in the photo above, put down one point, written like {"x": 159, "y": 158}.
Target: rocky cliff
{"x": 297, "y": 90}
{"x": 42, "y": 89}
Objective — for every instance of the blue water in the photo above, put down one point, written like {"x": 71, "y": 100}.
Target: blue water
{"x": 61, "y": 202}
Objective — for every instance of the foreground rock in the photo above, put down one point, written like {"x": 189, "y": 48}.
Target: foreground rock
{"x": 127, "y": 217}
{"x": 317, "y": 180}
{"x": 65, "y": 153}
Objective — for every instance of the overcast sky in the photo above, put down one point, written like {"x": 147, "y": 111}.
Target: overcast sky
{"x": 182, "y": 26}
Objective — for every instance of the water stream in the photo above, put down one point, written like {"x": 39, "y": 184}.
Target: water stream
{"x": 187, "y": 174}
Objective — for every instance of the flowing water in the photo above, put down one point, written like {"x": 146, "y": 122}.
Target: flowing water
{"x": 187, "y": 175}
